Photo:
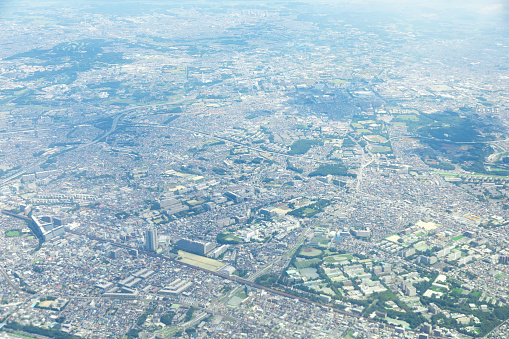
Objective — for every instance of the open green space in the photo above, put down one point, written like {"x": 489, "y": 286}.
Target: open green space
{"x": 303, "y": 145}
{"x": 379, "y": 149}
{"x": 169, "y": 331}
{"x": 228, "y": 238}
{"x": 338, "y": 258}
{"x": 376, "y": 138}
{"x": 309, "y": 273}
{"x": 266, "y": 280}
{"x": 310, "y": 252}
{"x": 13, "y": 233}
{"x": 307, "y": 263}
{"x": 195, "y": 202}
{"x": 310, "y": 210}
{"x": 80, "y": 56}
{"x": 331, "y": 169}
{"x": 457, "y": 138}
{"x": 321, "y": 241}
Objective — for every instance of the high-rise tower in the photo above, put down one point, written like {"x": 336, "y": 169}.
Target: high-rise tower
{"x": 151, "y": 243}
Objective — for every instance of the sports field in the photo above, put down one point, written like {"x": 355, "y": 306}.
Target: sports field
{"x": 338, "y": 258}
{"x": 309, "y": 252}
{"x": 45, "y": 304}
{"x": 428, "y": 226}
{"x": 376, "y": 138}
{"x": 394, "y": 238}
{"x": 379, "y": 149}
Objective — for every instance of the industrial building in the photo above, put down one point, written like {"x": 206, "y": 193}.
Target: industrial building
{"x": 195, "y": 246}
{"x": 176, "y": 287}
{"x": 46, "y": 229}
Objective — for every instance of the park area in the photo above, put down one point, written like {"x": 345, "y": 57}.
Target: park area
{"x": 13, "y": 233}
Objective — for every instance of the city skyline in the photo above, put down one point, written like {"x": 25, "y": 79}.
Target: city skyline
{"x": 329, "y": 169}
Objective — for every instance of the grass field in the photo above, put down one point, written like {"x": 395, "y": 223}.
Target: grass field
{"x": 195, "y": 202}
{"x": 309, "y": 273}
{"x": 12, "y": 233}
{"x": 228, "y": 238}
{"x": 168, "y": 332}
{"x": 197, "y": 260}
{"x": 322, "y": 241}
{"x": 338, "y": 258}
{"x": 379, "y": 149}
{"x": 232, "y": 238}
{"x": 307, "y": 263}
